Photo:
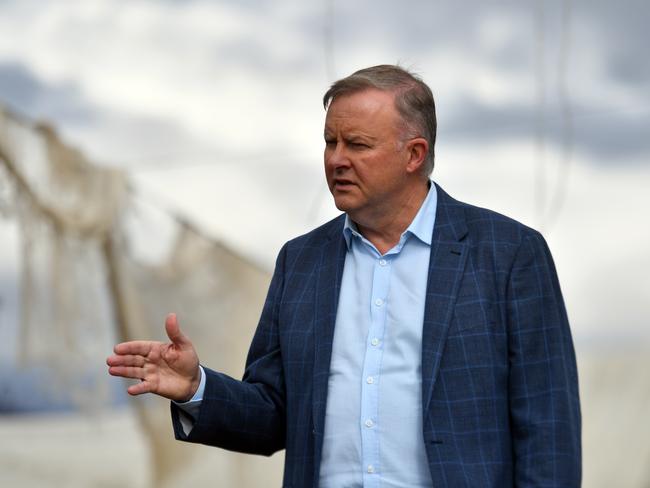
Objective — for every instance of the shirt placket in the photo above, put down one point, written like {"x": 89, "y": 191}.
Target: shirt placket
{"x": 370, "y": 425}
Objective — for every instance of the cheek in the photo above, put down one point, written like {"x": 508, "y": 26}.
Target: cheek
{"x": 329, "y": 174}
{"x": 326, "y": 157}
{"x": 328, "y": 168}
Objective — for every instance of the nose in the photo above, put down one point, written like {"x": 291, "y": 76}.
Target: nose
{"x": 335, "y": 157}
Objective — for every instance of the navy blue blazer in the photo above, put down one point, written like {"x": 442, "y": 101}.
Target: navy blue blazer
{"x": 499, "y": 379}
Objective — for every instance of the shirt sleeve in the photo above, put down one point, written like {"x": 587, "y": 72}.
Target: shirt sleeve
{"x": 189, "y": 410}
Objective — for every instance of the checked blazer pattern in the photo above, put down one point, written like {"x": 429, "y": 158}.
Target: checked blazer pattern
{"x": 499, "y": 379}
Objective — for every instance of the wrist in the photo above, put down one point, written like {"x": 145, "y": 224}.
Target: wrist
{"x": 196, "y": 381}
{"x": 194, "y": 386}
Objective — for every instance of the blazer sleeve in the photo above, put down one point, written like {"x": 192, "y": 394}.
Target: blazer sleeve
{"x": 543, "y": 381}
{"x": 248, "y": 415}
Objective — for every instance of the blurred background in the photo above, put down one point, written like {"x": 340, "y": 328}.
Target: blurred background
{"x": 156, "y": 154}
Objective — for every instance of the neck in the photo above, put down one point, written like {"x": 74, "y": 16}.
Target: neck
{"x": 386, "y": 228}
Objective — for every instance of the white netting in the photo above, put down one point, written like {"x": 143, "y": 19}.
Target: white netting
{"x": 85, "y": 282}
{"x": 65, "y": 209}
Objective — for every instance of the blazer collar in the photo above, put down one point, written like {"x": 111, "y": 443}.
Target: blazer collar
{"x": 449, "y": 252}
{"x": 328, "y": 285}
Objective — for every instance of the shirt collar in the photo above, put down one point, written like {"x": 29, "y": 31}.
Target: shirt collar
{"x": 421, "y": 226}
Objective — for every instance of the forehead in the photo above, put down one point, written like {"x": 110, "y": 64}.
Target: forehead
{"x": 369, "y": 109}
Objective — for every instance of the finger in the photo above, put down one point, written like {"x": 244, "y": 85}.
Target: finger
{"x": 174, "y": 331}
{"x": 139, "y": 388}
{"x": 127, "y": 372}
{"x": 141, "y": 348}
{"x": 125, "y": 360}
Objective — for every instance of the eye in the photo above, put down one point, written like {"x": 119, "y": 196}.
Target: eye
{"x": 358, "y": 145}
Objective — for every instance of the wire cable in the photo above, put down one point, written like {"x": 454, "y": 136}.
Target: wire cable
{"x": 562, "y": 184}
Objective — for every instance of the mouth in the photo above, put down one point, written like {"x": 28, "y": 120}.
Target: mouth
{"x": 342, "y": 184}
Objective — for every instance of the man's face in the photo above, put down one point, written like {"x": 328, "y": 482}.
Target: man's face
{"x": 365, "y": 159}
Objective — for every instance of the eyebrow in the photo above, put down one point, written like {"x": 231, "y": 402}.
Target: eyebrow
{"x": 361, "y": 136}
{"x": 352, "y": 136}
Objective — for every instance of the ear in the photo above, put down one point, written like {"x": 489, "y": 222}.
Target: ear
{"x": 417, "y": 149}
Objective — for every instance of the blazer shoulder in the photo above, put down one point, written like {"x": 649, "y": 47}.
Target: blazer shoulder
{"x": 479, "y": 217}
{"x": 318, "y": 236}
{"x": 484, "y": 226}
{"x": 306, "y": 252}
{"x": 483, "y": 223}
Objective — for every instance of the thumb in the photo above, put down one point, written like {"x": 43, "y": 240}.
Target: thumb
{"x": 174, "y": 331}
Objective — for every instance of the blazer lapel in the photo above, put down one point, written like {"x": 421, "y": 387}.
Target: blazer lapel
{"x": 446, "y": 266}
{"x": 328, "y": 286}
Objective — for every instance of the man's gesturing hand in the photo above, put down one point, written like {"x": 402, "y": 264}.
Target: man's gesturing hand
{"x": 170, "y": 369}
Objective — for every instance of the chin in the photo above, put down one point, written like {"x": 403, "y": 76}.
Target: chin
{"x": 343, "y": 204}
{"x": 342, "y": 208}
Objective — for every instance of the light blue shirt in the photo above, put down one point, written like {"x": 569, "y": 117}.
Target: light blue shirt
{"x": 373, "y": 420}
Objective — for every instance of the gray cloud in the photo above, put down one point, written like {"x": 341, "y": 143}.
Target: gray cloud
{"x": 623, "y": 28}
{"x": 255, "y": 55}
{"x": 24, "y": 92}
{"x": 606, "y": 137}
{"x": 612, "y": 32}
{"x": 128, "y": 138}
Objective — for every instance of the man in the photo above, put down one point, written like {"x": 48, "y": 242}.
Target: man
{"x": 413, "y": 341}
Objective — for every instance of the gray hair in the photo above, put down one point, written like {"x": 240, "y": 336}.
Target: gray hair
{"x": 413, "y": 99}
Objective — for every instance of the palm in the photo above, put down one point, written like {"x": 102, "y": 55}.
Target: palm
{"x": 165, "y": 364}
{"x": 167, "y": 369}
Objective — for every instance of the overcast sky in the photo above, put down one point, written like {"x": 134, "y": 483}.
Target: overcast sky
{"x": 214, "y": 109}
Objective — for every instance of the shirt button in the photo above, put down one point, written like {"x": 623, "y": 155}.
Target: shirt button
{"x": 370, "y": 380}
{"x": 379, "y": 302}
{"x": 382, "y": 262}
{"x": 371, "y": 469}
{"x": 369, "y": 423}
{"x": 375, "y": 342}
